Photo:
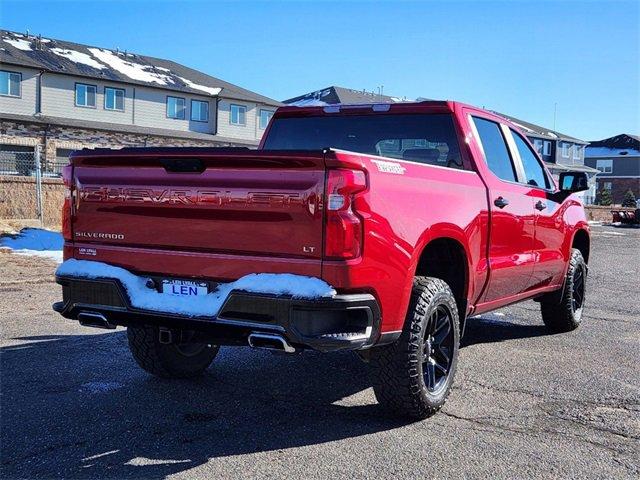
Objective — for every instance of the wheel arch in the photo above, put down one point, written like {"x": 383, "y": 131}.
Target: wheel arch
{"x": 582, "y": 242}
{"x": 446, "y": 258}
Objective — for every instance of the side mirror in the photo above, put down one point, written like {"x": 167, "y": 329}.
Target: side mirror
{"x": 572, "y": 182}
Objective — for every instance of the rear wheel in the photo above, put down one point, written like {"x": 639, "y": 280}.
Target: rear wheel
{"x": 414, "y": 375}
{"x": 562, "y": 311}
{"x": 173, "y": 360}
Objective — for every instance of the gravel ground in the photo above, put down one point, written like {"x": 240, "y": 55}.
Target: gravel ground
{"x": 525, "y": 404}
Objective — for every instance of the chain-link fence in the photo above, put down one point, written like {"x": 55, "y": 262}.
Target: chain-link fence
{"x": 26, "y": 164}
{"x": 28, "y": 187}
{"x": 18, "y": 163}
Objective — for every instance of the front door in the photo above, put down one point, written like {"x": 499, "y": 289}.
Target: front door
{"x": 550, "y": 231}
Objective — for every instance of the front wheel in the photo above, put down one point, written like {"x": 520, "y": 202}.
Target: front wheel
{"x": 414, "y": 375}
{"x": 173, "y": 360}
{"x": 562, "y": 311}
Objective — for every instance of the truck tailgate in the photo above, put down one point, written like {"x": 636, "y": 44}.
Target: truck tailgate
{"x": 228, "y": 201}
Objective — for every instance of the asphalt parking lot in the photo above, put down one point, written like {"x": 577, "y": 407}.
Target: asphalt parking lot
{"x": 526, "y": 403}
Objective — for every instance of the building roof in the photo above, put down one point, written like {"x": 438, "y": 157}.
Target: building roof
{"x": 339, "y": 95}
{"x": 623, "y": 145}
{"x": 124, "y": 128}
{"x": 70, "y": 58}
{"x": 624, "y": 140}
{"x": 531, "y": 129}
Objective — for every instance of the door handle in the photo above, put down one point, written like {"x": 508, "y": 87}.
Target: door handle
{"x": 501, "y": 202}
{"x": 540, "y": 205}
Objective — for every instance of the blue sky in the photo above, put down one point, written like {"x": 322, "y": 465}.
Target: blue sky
{"x": 519, "y": 58}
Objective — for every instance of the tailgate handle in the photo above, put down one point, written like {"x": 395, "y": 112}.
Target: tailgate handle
{"x": 183, "y": 165}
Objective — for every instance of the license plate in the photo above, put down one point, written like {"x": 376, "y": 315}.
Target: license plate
{"x": 184, "y": 288}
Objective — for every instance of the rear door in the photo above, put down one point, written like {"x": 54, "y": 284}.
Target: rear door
{"x": 512, "y": 224}
{"x": 237, "y": 202}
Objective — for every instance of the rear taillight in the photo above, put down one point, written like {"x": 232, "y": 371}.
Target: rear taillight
{"x": 67, "y": 206}
{"x": 343, "y": 227}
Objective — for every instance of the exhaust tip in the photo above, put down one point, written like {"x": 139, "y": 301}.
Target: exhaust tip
{"x": 269, "y": 341}
{"x": 96, "y": 320}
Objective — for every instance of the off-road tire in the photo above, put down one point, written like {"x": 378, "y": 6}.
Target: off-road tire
{"x": 166, "y": 360}
{"x": 397, "y": 369}
{"x": 558, "y": 311}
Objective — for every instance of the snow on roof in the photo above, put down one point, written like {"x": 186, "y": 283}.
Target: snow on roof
{"x": 78, "y": 57}
{"x": 70, "y": 58}
{"x": 210, "y": 90}
{"x": 133, "y": 70}
{"x": 309, "y": 102}
{"x": 611, "y": 152}
{"x": 522, "y": 127}
{"x": 19, "y": 43}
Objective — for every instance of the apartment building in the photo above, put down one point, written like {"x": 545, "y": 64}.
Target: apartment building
{"x": 618, "y": 161}
{"x": 64, "y": 96}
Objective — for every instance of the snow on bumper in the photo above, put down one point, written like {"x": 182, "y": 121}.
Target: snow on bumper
{"x": 145, "y": 298}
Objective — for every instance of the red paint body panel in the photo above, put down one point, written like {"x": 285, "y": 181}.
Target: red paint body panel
{"x": 263, "y": 211}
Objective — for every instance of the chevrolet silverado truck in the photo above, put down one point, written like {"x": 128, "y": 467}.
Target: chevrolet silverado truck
{"x": 416, "y": 216}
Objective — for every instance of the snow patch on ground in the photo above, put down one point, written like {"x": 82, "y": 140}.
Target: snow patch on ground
{"x": 78, "y": 57}
{"x": 55, "y": 255}
{"x": 210, "y": 90}
{"x": 146, "y": 298}
{"x": 35, "y": 242}
{"x": 135, "y": 71}
{"x": 19, "y": 43}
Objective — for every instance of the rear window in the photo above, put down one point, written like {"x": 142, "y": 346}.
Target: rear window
{"x": 423, "y": 138}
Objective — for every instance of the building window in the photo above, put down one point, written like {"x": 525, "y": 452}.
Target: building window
{"x": 547, "y": 148}
{"x": 565, "y": 149}
{"x": 238, "y": 115}
{"x": 10, "y": 83}
{"x": 265, "y": 116}
{"x": 576, "y": 152}
{"x": 62, "y": 155}
{"x": 199, "y": 111}
{"x": 85, "y": 95}
{"x": 175, "y": 107}
{"x": 114, "y": 99}
{"x": 606, "y": 185}
{"x": 537, "y": 143}
{"x": 604, "y": 166}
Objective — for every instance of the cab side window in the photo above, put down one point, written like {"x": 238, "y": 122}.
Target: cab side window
{"x": 533, "y": 170}
{"x": 495, "y": 149}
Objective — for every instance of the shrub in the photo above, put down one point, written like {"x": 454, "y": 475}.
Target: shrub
{"x": 629, "y": 199}
{"x": 604, "y": 198}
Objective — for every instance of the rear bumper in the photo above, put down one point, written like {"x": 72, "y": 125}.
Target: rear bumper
{"x": 343, "y": 322}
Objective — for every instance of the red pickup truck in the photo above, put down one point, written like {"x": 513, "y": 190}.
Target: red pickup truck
{"x": 377, "y": 228}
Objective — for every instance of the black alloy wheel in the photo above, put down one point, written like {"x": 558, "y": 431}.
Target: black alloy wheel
{"x": 437, "y": 349}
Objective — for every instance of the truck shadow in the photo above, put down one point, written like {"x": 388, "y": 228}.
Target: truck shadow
{"x": 486, "y": 329}
{"x": 77, "y": 406}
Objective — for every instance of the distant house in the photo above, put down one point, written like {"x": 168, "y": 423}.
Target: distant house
{"x": 64, "y": 96}
{"x": 560, "y": 152}
{"x": 334, "y": 95}
{"x": 618, "y": 161}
